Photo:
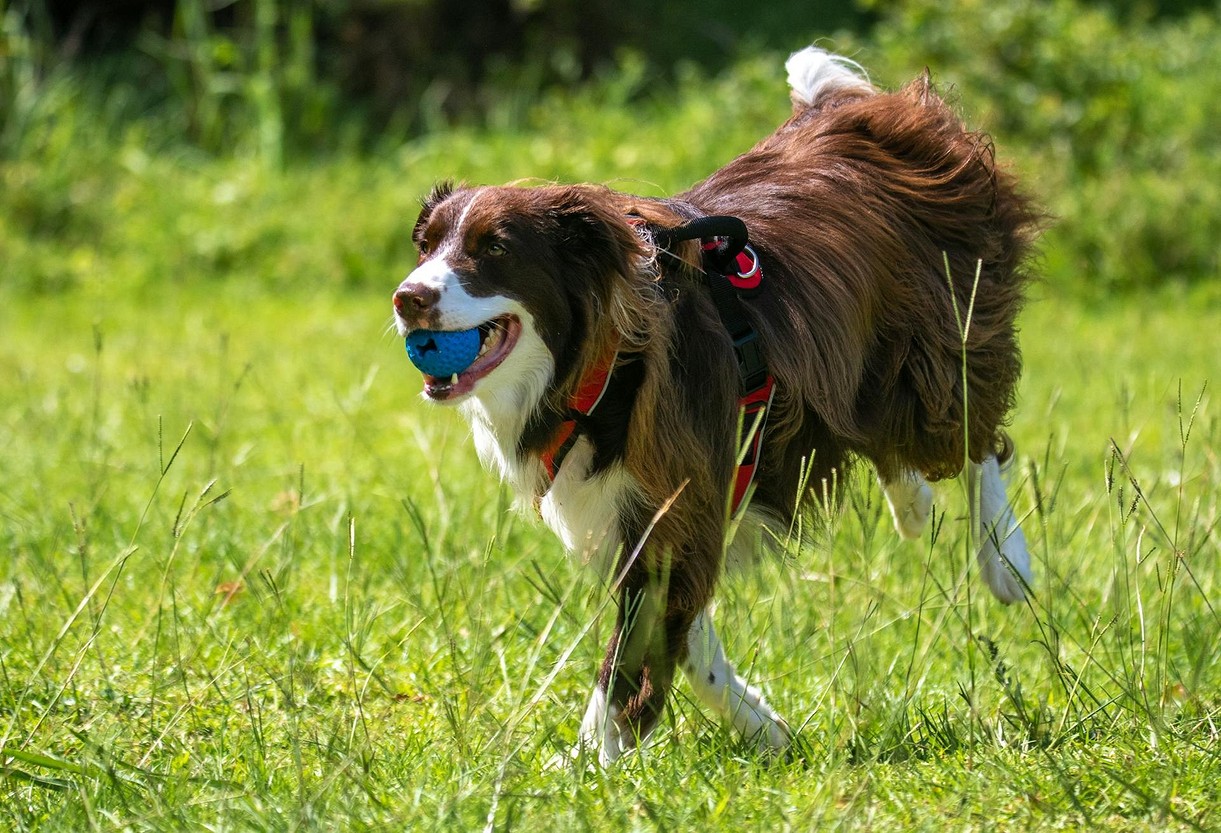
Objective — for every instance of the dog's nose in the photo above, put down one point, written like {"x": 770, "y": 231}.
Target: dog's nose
{"x": 414, "y": 298}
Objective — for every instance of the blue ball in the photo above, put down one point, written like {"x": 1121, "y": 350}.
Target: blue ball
{"x": 443, "y": 352}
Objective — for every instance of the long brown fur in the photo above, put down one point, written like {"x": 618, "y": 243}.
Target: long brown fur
{"x": 864, "y": 211}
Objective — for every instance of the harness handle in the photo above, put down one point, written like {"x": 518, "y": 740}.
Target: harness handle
{"x": 732, "y": 229}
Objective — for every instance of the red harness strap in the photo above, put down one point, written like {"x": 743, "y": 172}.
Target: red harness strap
{"x": 594, "y": 387}
{"x": 589, "y": 394}
{"x": 751, "y": 445}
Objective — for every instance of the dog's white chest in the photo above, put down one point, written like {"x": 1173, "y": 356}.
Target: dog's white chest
{"x": 585, "y": 511}
{"x": 582, "y": 511}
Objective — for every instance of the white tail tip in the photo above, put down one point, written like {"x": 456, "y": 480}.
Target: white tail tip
{"x": 815, "y": 73}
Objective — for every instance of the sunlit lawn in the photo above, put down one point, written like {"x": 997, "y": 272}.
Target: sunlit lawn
{"x": 254, "y": 583}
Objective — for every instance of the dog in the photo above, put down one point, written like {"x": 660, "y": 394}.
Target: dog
{"x": 611, "y": 389}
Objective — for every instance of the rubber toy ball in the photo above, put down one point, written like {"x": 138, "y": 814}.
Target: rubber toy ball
{"x": 443, "y": 352}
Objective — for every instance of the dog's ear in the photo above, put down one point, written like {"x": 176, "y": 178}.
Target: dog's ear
{"x": 596, "y": 230}
{"x": 439, "y": 193}
{"x": 607, "y": 263}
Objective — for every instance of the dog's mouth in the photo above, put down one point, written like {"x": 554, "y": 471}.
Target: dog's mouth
{"x": 497, "y": 338}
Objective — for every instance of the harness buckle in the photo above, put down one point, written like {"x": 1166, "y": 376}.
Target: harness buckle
{"x": 752, "y": 367}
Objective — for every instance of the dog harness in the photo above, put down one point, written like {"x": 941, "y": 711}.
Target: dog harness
{"x": 732, "y": 271}
{"x": 589, "y": 393}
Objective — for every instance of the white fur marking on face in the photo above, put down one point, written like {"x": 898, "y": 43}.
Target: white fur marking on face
{"x": 718, "y": 686}
{"x": 455, "y": 237}
{"x": 910, "y": 499}
{"x": 1002, "y": 544}
{"x": 457, "y": 309}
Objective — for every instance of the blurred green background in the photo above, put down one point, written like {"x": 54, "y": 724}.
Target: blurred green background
{"x": 146, "y": 142}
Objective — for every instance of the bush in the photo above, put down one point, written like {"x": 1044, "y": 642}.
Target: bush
{"x": 252, "y": 164}
{"x": 1114, "y": 123}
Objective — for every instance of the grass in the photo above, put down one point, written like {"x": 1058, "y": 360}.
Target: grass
{"x": 253, "y": 583}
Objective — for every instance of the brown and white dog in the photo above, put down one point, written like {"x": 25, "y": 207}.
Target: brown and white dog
{"x": 863, "y": 208}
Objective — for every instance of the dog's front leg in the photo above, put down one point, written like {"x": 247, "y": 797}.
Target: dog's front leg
{"x": 638, "y": 671}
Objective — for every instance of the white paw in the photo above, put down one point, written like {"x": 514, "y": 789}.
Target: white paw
{"x": 601, "y": 732}
{"x": 1004, "y": 560}
{"x": 768, "y": 729}
{"x": 719, "y": 686}
{"x": 911, "y": 500}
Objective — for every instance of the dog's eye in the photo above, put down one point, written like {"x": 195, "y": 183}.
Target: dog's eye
{"x": 497, "y": 250}
{"x": 423, "y": 246}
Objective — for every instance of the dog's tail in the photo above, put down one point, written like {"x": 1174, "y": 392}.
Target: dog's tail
{"x": 816, "y": 75}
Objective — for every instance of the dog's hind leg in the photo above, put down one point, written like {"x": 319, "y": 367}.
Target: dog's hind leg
{"x": 910, "y": 499}
{"x": 720, "y": 687}
{"x": 1003, "y": 558}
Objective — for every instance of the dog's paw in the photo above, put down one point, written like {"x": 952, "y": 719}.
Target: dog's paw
{"x": 1004, "y": 561}
{"x": 911, "y": 500}
{"x": 718, "y": 685}
{"x": 772, "y": 735}
{"x": 603, "y": 735}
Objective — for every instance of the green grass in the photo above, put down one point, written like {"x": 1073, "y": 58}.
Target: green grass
{"x": 253, "y": 583}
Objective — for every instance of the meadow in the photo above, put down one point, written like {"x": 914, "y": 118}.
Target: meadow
{"x": 252, "y": 582}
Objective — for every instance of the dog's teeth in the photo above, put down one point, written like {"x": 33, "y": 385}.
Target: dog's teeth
{"x": 453, "y": 380}
{"x": 489, "y": 341}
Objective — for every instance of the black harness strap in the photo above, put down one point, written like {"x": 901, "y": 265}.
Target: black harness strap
{"x": 732, "y": 272}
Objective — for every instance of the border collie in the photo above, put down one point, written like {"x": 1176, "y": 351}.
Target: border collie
{"x": 608, "y": 389}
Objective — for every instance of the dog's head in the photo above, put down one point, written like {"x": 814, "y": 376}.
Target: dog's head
{"x": 538, "y": 271}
